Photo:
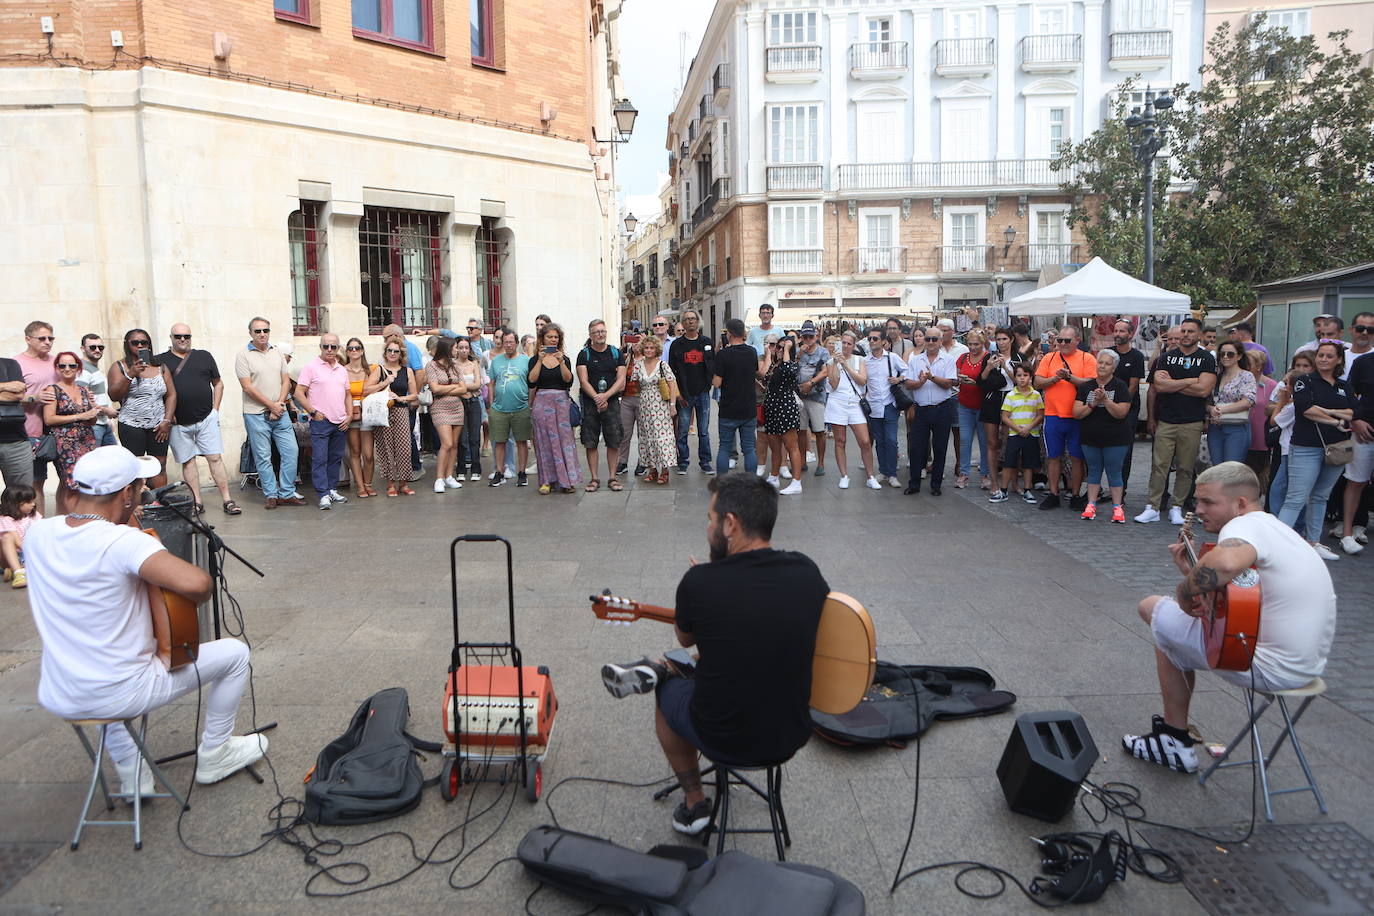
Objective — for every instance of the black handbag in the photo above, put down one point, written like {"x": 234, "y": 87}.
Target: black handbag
{"x": 901, "y": 397}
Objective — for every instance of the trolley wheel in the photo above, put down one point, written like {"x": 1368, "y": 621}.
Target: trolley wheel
{"x": 448, "y": 779}
{"x": 534, "y": 783}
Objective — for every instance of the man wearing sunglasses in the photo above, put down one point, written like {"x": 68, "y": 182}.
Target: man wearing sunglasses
{"x": 322, "y": 392}
{"x": 196, "y": 428}
{"x": 1359, "y": 371}
{"x": 262, "y": 373}
{"x": 92, "y": 378}
{"x": 40, "y": 375}
{"x": 1057, "y": 378}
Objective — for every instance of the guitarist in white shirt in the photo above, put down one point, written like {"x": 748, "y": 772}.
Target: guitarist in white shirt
{"x": 1297, "y": 622}
{"x": 89, "y": 572}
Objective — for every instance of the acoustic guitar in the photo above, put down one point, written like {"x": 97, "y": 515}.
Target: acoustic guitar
{"x": 1231, "y": 624}
{"x": 844, "y": 662}
{"x": 176, "y": 623}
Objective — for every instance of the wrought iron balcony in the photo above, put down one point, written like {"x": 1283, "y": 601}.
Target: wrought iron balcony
{"x": 1136, "y": 50}
{"x": 795, "y": 177}
{"x": 720, "y": 189}
{"x": 704, "y": 209}
{"x": 957, "y": 259}
{"x": 1040, "y": 254}
{"x": 981, "y": 173}
{"x": 720, "y": 84}
{"x": 964, "y": 56}
{"x": 877, "y": 59}
{"x": 793, "y": 63}
{"x": 1051, "y": 53}
{"x": 879, "y": 260}
{"x": 794, "y": 260}
{"x": 708, "y": 278}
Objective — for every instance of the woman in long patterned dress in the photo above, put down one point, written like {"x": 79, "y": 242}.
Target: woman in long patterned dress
{"x": 657, "y": 442}
{"x": 781, "y": 409}
{"x": 393, "y": 440}
{"x": 71, "y": 417}
{"x": 550, "y": 378}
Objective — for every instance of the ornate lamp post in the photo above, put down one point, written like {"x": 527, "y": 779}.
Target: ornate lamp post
{"x": 1147, "y": 139}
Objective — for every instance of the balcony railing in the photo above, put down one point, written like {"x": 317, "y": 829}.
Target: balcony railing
{"x": 684, "y": 231}
{"x": 795, "y": 177}
{"x": 720, "y": 189}
{"x": 794, "y": 261}
{"x": 1040, "y": 51}
{"x": 720, "y": 79}
{"x": 964, "y": 258}
{"x": 794, "y": 59}
{"x": 1135, "y": 45}
{"x": 708, "y": 278}
{"x": 1040, "y": 254}
{"x": 878, "y": 55}
{"x": 984, "y": 173}
{"x": 879, "y": 260}
{"x": 704, "y": 209}
{"x": 964, "y": 54}
{"x": 653, "y": 283}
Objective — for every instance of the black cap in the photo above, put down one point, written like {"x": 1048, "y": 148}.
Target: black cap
{"x": 808, "y": 328}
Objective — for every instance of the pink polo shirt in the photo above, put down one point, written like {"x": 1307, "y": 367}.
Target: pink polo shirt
{"x": 328, "y": 388}
{"x": 37, "y": 373}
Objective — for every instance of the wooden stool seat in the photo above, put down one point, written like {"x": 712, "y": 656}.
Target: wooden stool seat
{"x": 1315, "y": 688}
{"x": 92, "y": 721}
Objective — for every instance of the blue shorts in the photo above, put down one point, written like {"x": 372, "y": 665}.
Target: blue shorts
{"x": 1062, "y": 433}
{"x": 675, "y": 701}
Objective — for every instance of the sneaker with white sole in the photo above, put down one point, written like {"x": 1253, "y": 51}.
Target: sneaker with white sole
{"x": 1175, "y": 515}
{"x": 777, "y": 484}
{"x": 634, "y": 677}
{"x": 532, "y": 469}
{"x": 146, "y": 786}
{"x": 496, "y": 480}
{"x": 998, "y": 496}
{"x": 336, "y": 496}
{"x": 1350, "y": 545}
{"x": 1028, "y": 497}
{"x": 810, "y": 457}
{"x": 786, "y": 472}
{"x": 792, "y": 489}
{"x": 453, "y": 483}
{"x": 475, "y": 475}
{"x": 692, "y": 821}
{"x": 326, "y": 503}
{"x": 733, "y": 462}
{"x": 893, "y": 482}
{"x": 439, "y": 486}
{"x": 762, "y": 471}
{"x": 1360, "y": 534}
{"x": 872, "y": 484}
{"x": 1148, "y": 516}
{"x": 844, "y": 483}
{"x": 1164, "y": 745}
{"x": 510, "y": 474}
{"x": 230, "y": 757}
{"x": 1326, "y": 553}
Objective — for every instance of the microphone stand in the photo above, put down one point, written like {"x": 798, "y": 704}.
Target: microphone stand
{"x": 215, "y": 544}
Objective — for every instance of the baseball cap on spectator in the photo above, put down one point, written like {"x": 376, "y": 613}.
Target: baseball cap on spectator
{"x": 111, "y": 468}
{"x": 1329, "y": 317}
{"x": 808, "y": 328}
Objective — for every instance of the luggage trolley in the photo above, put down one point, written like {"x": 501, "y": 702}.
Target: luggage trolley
{"x": 497, "y": 713}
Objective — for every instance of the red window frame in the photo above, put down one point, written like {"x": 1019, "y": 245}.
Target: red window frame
{"x": 301, "y": 15}
{"x": 387, "y": 36}
{"x": 488, "y": 56}
{"x": 312, "y": 240}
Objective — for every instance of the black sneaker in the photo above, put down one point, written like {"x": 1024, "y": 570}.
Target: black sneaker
{"x": 620, "y": 469}
{"x": 639, "y": 470}
{"x": 694, "y": 820}
{"x": 998, "y": 496}
{"x": 1078, "y": 502}
{"x": 632, "y": 677}
{"x": 1028, "y": 497}
{"x": 496, "y": 480}
{"x": 1050, "y": 502}
{"x": 682, "y": 469}
{"x": 708, "y": 470}
{"x": 1164, "y": 745}
{"x": 522, "y": 479}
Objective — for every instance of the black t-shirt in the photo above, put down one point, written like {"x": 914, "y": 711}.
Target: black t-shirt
{"x": 549, "y": 378}
{"x": 1361, "y": 383}
{"x": 12, "y": 428}
{"x": 1174, "y": 406}
{"x": 194, "y": 384}
{"x": 1312, "y": 389}
{"x": 754, "y": 616}
{"x": 1099, "y": 428}
{"x": 737, "y": 365}
{"x": 601, "y": 367}
{"x": 1129, "y": 365}
{"x": 692, "y": 361}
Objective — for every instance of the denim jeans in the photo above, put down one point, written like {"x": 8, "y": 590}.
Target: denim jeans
{"x": 700, "y": 405}
{"x": 725, "y": 431}
{"x": 469, "y": 454}
{"x": 968, "y": 428}
{"x": 1228, "y": 441}
{"x": 883, "y": 431}
{"x": 931, "y": 428}
{"x": 327, "y": 445}
{"x": 1310, "y": 480}
{"x": 104, "y": 434}
{"x": 262, "y": 432}
{"x": 1107, "y": 458}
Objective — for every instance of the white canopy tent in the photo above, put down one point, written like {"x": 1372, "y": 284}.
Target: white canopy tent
{"x": 1097, "y": 288}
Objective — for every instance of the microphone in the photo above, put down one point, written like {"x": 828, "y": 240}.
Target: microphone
{"x": 152, "y": 496}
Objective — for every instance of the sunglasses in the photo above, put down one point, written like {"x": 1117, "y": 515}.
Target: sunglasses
{"x": 473, "y": 327}
{"x": 393, "y": 352}
{"x": 660, "y": 324}
{"x": 95, "y": 347}
{"x": 181, "y": 336}
{"x": 875, "y": 340}
{"x": 43, "y": 337}
{"x": 68, "y": 366}
{"x": 329, "y": 346}
{"x": 140, "y": 343}
{"x": 1064, "y": 339}
{"x": 932, "y": 340}
{"x": 1362, "y": 329}
{"x": 355, "y": 349}
{"x": 1229, "y": 355}
{"x": 262, "y": 330}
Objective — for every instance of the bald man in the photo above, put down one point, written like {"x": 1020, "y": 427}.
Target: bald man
{"x": 195, "y": 431}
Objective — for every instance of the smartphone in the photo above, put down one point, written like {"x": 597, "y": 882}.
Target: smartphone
{"x": 550, "y": 349}
{"x": 144, "y": 355}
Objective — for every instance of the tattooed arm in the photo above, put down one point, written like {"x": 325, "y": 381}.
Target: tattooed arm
{"x": 1226, "y": 561}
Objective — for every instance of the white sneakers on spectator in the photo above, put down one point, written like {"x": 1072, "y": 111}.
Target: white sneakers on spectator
{"x": 453, "y": 483}
{"x": 872, "y": 484}
{"x": 810, "y": 457}
{"x": 230, "y": 757}
{"x": 786, "y": 472}
{"x": 510, "y": 475}
{"x": 792, "y": 489}
{"x": 439, "y": 486}
{"x": 1175, "y": 515}
{"x": 326, "y": 503}
{"x": 1326, "y": 553}
{"x": 844, "y": 483}
{"x": 1151, "y": 514}
{"x": 777, "y": 484}
{"x": 761, "y": 471}
{"x": 1350, "y": 545}
{"x": 336, "y": 496}
{"x": 893, "y": 482}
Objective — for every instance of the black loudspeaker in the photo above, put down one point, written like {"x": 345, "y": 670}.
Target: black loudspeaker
{"x": 1046, "y": 759}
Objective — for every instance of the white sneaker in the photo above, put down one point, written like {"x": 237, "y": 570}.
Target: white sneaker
{"x": 844, "y": 483}
{"x": 792, "y": 489}
{"x": 532, "y": 469}
{"x": 475, "y": 475}
{"x": 1175, "y": 515}
{"x": 326, "y": 502}
{"x": 146, "y": 786}
{"x": 777, "y": 484}
{"x": 872, "y": 484}
{"x": 1162, "y": 747}
{"x": 438, "y": 486}
{"x": 510, "y": 475}
{"x": 893, "y": 482}
{"x": 810, "y": 457}
{"x": 761, "y": 471}
{"x": 1336, "y": 530}
{"x": 733, "y": 462}
{"x": 1360, "y": 534}
{"x": 1326, "y": 553}
{"x": 336, "y": 496}
{"x": 1151, "y": 514}
{"x": 453, "y": 483}
{"x": 230, "y": 757}
{"x": 1351, "y": 546}
{"x": 786, "y": 472}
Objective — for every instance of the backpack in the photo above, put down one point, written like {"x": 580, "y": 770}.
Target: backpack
{"x": 681, "y": 880}
{"x": 905, "y": 699}
{"x": 369, "y": 773}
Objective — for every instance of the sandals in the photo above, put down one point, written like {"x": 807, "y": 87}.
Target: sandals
{"x": 545, "y": 489}
{"x": 391, "y": 491}
{"x": 662, "y": 477}
{"x": 232, "y": 508}
{"x": 615, "y": 485}
{"x": 593, "y": 486}
{"x": 406, "y": 490}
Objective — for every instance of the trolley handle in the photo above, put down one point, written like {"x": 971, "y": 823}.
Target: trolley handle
{"x": 510, "y": 577}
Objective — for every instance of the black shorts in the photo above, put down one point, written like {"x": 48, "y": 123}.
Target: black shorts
{"x": 143, "y": 441}
{"x": 1022, "y": 450}
{"x": 606, "y": 424}
{"x": 675, "y": 701}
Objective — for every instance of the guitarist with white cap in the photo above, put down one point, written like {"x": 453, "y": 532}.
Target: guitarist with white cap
{"x": 88, "y": 588}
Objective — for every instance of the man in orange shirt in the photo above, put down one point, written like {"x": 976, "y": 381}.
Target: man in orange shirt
{"x": 1057, "y": 377}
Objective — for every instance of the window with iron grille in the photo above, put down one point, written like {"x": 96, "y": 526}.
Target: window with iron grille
{"x": 305, "y": 235}
{"x": 401, "y": 254}
{"x": 491, "y": 251}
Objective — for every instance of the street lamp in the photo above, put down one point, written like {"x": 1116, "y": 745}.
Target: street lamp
{"x": 1009, "y": 234}
{"x": 624, "y": 115}
{"x": 1147, "y": 139}
{"x": 630, "y": 223}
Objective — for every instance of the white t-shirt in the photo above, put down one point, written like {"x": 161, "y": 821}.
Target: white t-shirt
{"x": 92, "y": 613}
{"x": 1298, "y": 616}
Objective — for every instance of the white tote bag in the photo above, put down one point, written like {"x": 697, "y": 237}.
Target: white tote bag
{"x": 375, "y": 410}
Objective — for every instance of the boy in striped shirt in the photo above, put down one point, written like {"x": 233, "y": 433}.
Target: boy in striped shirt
{"x": 1023, "y": 413}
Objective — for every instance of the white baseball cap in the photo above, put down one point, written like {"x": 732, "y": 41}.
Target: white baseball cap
{"x": 111, "y": 468}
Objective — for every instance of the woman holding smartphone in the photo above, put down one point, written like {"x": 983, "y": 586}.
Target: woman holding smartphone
{"x": 550, "y": 377}
{"x": 781, "y": 410}
{"x": 147, "y": 401}
{"x": 848, "y": 381}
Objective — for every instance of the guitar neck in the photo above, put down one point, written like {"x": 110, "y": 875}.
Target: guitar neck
{"x": 611, "y": 608}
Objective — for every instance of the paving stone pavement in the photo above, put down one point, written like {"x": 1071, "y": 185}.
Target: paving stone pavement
{"x": 1135, "y": 556}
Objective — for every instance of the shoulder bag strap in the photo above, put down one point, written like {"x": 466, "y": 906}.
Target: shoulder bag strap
{"x": 182, "y": 365}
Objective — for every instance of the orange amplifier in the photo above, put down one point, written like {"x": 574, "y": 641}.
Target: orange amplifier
{"x": 489, "y": 704}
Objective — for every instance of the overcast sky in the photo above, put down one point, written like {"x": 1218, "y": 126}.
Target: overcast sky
{"x": 652, "y": 63}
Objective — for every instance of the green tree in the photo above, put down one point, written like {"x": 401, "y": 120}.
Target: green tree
{"x": 1269, "y": 172}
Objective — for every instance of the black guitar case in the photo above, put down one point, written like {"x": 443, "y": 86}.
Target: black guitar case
{"x": 906, "y": 699}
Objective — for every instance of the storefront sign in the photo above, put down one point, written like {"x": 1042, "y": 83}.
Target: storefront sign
{"x": 873, "y": 292}
{"x": 813, "y": 292}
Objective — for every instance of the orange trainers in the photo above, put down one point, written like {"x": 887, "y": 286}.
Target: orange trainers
{"x": 1089, "y": 512}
